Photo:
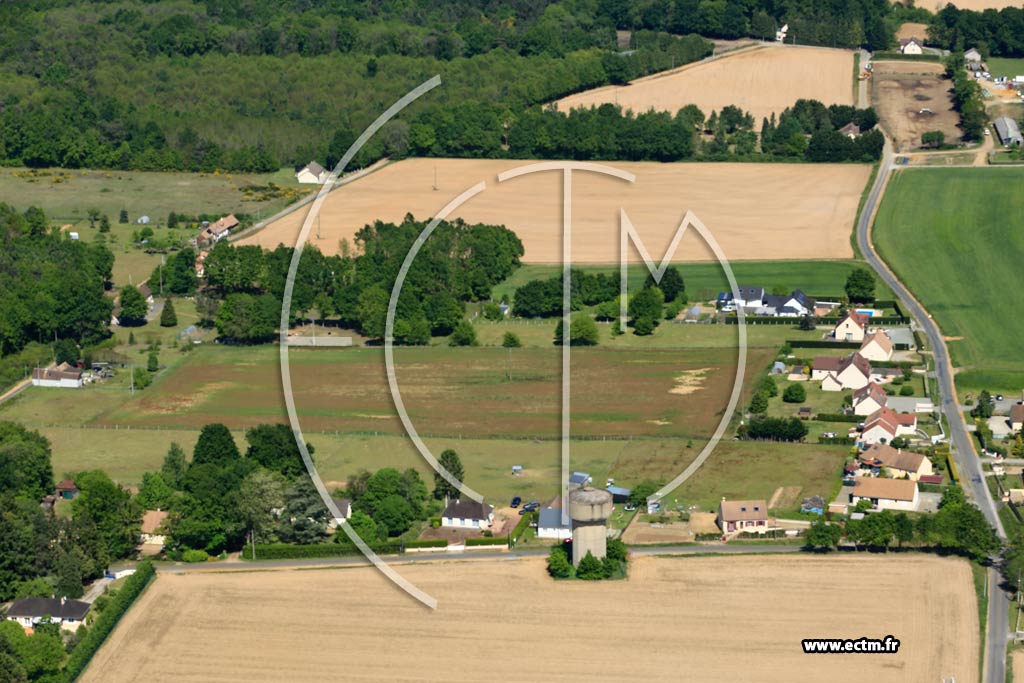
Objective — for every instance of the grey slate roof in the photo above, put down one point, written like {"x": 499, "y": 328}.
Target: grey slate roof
{"x": 49, "y": 607}
{"x": 551, "y": 518}
{"x": 467, "y": 509}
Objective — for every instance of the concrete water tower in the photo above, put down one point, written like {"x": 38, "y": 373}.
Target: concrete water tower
{"x": 589, "y": 509}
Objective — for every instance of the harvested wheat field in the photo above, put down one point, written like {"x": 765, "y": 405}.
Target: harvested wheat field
{"x": 913, "y": 98}
{"x": 977, "y": 5}
{"x": 755, "y": 211}
{"x": 762, "y": 81}
{"x": 911, "y": 30}
{"x": 701, "y": 618}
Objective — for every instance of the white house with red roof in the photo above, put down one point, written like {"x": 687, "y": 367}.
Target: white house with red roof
{"x": 869, "y": 399}
{"x": 885, "y": 424}
{"x": 851, "y": 328}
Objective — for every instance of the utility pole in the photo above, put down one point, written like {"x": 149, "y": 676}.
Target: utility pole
{"x": 132, "y": 387}
{"x": 435, "y": 177}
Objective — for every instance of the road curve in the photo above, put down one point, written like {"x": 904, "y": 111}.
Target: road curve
{"x": 961, "y": 445}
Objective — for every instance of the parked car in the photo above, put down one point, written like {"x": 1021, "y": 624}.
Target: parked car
{"x": 531, "y": 506}
{"x": 999, "y": 397}
{"x": 630, "y": 507}
{"x": 516, "y": 501}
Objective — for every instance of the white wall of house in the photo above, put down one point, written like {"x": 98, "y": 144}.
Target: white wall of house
{"x": 847, "y": 330}
{"x": 558, "y": 533}
{"x": 889, "y": 504}
{"x": 873, "y": 351}
{"x": 58, "y": 383}
{"x": 305, "y": 176}
{"x": 911, "y": 49}
{"x": 866, "y": 406}
{"x": 876, "y": 434}
{"x": 464, "y": 523}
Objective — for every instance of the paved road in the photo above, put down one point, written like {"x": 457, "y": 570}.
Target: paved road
{"x": 961, "y": 445}
{"x": 15, "y": 390}
{"x": 470, "y": 556}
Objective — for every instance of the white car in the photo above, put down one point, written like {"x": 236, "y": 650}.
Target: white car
{"x": 988, "y": 132}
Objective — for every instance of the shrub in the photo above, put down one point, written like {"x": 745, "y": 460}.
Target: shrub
{"x": 590, "y": 568}
{"x": 759, "y": 403}
{"x": 487, "y": 540}
{"x": 559, "y": 566}
{"x": 195, "y": 556}
{"x": 907, "y": 390}
{"x": 794, "y": 393}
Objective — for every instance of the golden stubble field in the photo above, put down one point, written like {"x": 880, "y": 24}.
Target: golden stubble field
{"x": 762, "y": 81}
{"x": 977, "y": 5}
{"x": 755, "y": 211}
{"x": 703, "y": 619}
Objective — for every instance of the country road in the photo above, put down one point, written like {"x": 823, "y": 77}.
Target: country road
{"x": 465, "y": 556}
{"x": 961, "y": 445}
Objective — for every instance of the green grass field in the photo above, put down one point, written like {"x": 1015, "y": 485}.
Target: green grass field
{"x": 953, "y": 236}
{"x": 705, "y": 280}
{"x": 1002, "y": 66}
{"x": 66, "y": 195}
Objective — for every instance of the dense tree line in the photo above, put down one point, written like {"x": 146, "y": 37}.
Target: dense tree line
{"x": 761, "y": 428}
{"x": 840, "y": 23}
{"x": 967, "y": 98}
{"x": 100, "y": 85}
{"x": 459, "y": 262}
{"x": 810, "y": 130}
{"x": 43, "y": 554}
{"x": 51, "y": 287}
{"x": 997, "y": 33}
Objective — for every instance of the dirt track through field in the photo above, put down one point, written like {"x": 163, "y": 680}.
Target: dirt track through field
{"x": 703, "y": 619}
{"x": 756, "y": 211}
{"x": 762, "y": 81}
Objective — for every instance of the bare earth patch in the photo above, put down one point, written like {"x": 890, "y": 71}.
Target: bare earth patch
{"x": 690, "y": 381}
{"x": 913, "y": 98}
{"x": 762, "y": 81}
{"x": 675, "y": 619}
{"x": 755, "y": 211}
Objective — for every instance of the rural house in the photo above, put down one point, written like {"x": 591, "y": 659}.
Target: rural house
{"x": 837, "y": 374}
{"x": 312, "y": 174}
{"x": 911, "y": 46}
{"x": 152, "y": 531}
{"x": 1017, "y": 417}
{"x": 850, "y": 130}
{"x": 851, "y": 328}
{"x": 900, "y": 464}
{"x": 745, "y": 297}
{"x": 973, "y": 59}
{"x": 885, "y": 424}
{"x": 869, "y": 399}
{"x": 877, "y": 346}
{"x": 64, "y": 376}
{"x": 69, "y": 614}
{"x": 549, "y": 521}
{"x": 886, "y": 494}
{"x": 742, "y": 515}
{"x": 217, "y": 230}
{"x": 467, "y": 514}
{"x": 796, "y": 304}
{"x": 1008, "y": 131}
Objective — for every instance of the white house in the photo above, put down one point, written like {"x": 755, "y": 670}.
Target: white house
{"x": 973, "y": 59}
{"x": 549, "y": 521}
{"x": 217, "y": 230}
{"x": 742, "y": 515}
{"x": 886, "y": 494}
{"x": 28, "y": 612}
{"x": 1017, "y": 417}
{"x": 850, "y": 130}
{"x": 64, "y": 376}
{"x": 911, "y": 46}
{"x": 869, "y": 399}
{"x": 877, "y": 346}
{"x": 885, "y": 424}
{"x": 467, "y": 514}
{"x": 851, "y": 328}
{"x": 899, "y": 463}
{"x": 796, "y": 304}
{"x": 837, "y": 374}
{"x": 312, "y": 174}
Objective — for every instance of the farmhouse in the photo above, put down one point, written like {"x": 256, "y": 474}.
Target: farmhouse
{"x": 218, "y": 230}
{"x": 886, "y": 494}
{"x": 754, "y": 300}
{"x": 869, "y": 399}
{"x": 69, "y": 614}
{"x": 885, "y": 424}
{"x": 911, "y": 46}
{"x": 312, "y": 174}
{"x": 1008, "y": 131}
{"x": 852, "y": 327}
{"x": 850, "y": 130}
{"x": 152, "y": 527}
{"x": 1017, "y": 417}
{"x": 64, "y": 376}
{"x": 467, "y": 514}
{"x": 549, "y": 521}
{"x": 742, "y": 515}
{"x": 877, "y": 346}
{"x": 900, "y": 464}
{"x": 837, "y": 374}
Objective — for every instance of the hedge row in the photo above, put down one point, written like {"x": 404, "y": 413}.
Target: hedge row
{"x": 286, "y": 551}
{"x": 487, "y": 540}
{"x": 521, "y": 527}
{"x": 836, "y": 441}
{"x": 108, "y": 619}
{"x": 429, "y": 543}
{"x": 820, "y": 344}
{"x": 838, "y": 417}
{"x": 793, "y": 322}
{"x": 900, "y": 57}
